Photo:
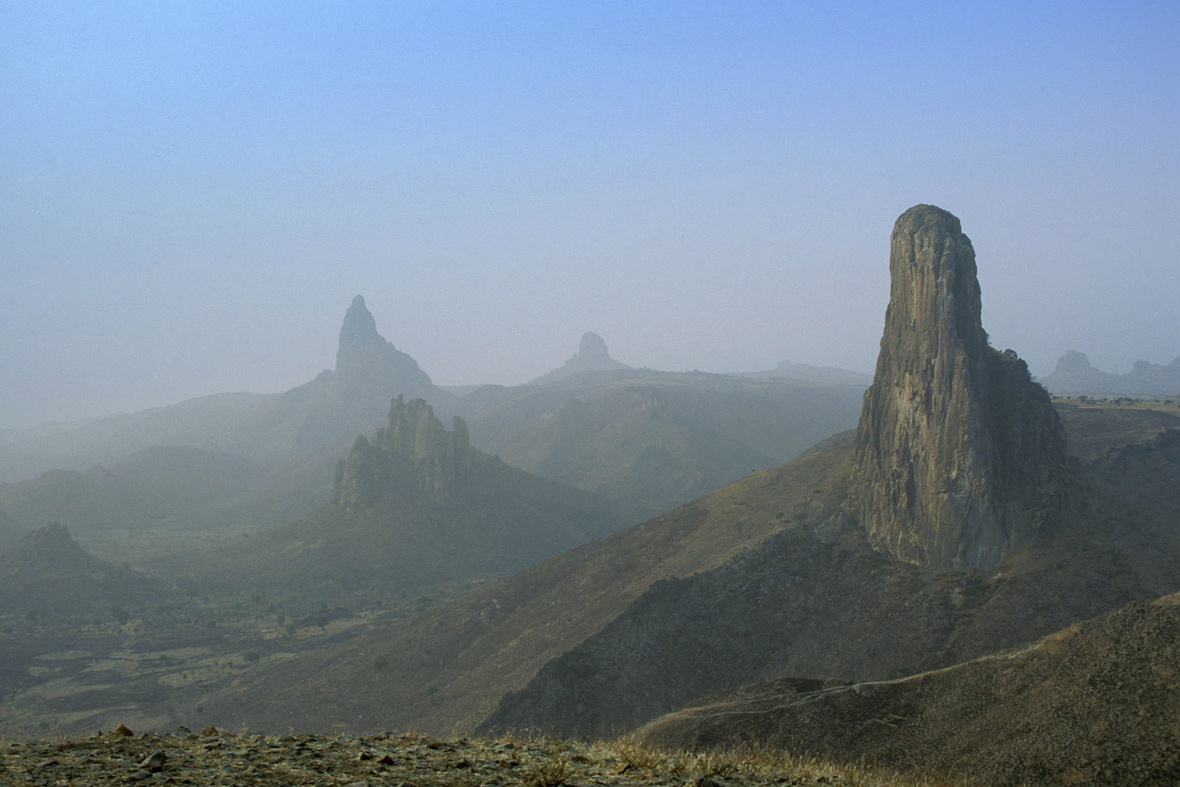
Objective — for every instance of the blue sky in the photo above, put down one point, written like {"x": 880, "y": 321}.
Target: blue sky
{"x": 191, "y": 193}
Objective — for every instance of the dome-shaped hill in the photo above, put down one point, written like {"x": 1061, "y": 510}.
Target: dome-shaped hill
{"x": 47, "y": 573}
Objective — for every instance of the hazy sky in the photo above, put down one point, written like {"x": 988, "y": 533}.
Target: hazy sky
{"x": 192, "y": 193}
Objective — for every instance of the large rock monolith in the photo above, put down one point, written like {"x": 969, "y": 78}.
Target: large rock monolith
{"x": 959, "y": 453}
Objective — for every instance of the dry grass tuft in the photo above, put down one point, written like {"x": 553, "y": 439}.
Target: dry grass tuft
{"x": 757, "y": 762}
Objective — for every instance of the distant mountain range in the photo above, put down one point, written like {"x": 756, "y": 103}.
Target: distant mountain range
{"x": 253, "y": 459}
{"x": 653, "y": 440}
{"x": 647, "y": 439}
{"x": 1075, "y": 376}
{"x": 815, "y": 374}
{"x": 249, "y": 459}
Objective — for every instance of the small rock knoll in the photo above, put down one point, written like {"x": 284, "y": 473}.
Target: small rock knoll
{"x": 592, "y": 356}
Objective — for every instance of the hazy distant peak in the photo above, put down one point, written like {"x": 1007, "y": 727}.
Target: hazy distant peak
{"x": 1074, "y": 375}
{"x": 362, "y": 351}
{"x": 593, "y": 349}
{"x": 592, "y": 356}
{"x": 357, "y": 334}
{"x": 1072, "y": 360}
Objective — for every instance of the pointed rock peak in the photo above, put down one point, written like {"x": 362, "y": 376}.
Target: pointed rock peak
{"x": 365, "y": 357}
{"x": 1072, "y": 360}
{"x": 358, "y": 334}
{"x": 959, "y": 454}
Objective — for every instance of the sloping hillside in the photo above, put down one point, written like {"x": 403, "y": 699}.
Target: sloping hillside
{"x": 147, "y": 489}
{"x": 413, "y": 509}
{"x": 317, "y": 419}
{"x": 1094, "y": 703}
{"x": 446, "y": 668}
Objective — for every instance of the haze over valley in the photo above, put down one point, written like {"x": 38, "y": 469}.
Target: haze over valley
{"x": 422, "y": 583}
{"x": 642, "y": 395}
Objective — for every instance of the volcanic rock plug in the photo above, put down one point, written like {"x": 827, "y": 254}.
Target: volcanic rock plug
{"x": 958, "y": 450}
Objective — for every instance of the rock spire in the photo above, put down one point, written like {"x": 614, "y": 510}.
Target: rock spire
{"x": 358, "y": 335}
{"x": 592, "y": 351}
{"x": 958, "y": 451}
{"x": 363, "y": 354}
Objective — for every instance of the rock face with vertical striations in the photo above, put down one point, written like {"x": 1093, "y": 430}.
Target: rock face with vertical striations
{"x": 959, "y": 454}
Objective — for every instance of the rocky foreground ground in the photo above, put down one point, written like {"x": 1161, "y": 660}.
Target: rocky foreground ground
{"x": 213, "y": 757}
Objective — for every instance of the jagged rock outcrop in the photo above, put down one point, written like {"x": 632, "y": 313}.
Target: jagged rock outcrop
{"x": 414, "y": 450}
{"x": 958, "y": 451}
{"x": 592, "y": 356}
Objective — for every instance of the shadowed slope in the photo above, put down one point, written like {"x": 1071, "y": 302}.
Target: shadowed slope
{"x": 48, "y": 575}
{"x": 1093, "y": 703}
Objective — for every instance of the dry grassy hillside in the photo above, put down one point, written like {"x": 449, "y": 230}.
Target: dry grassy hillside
{"x": 445, "y": 669}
